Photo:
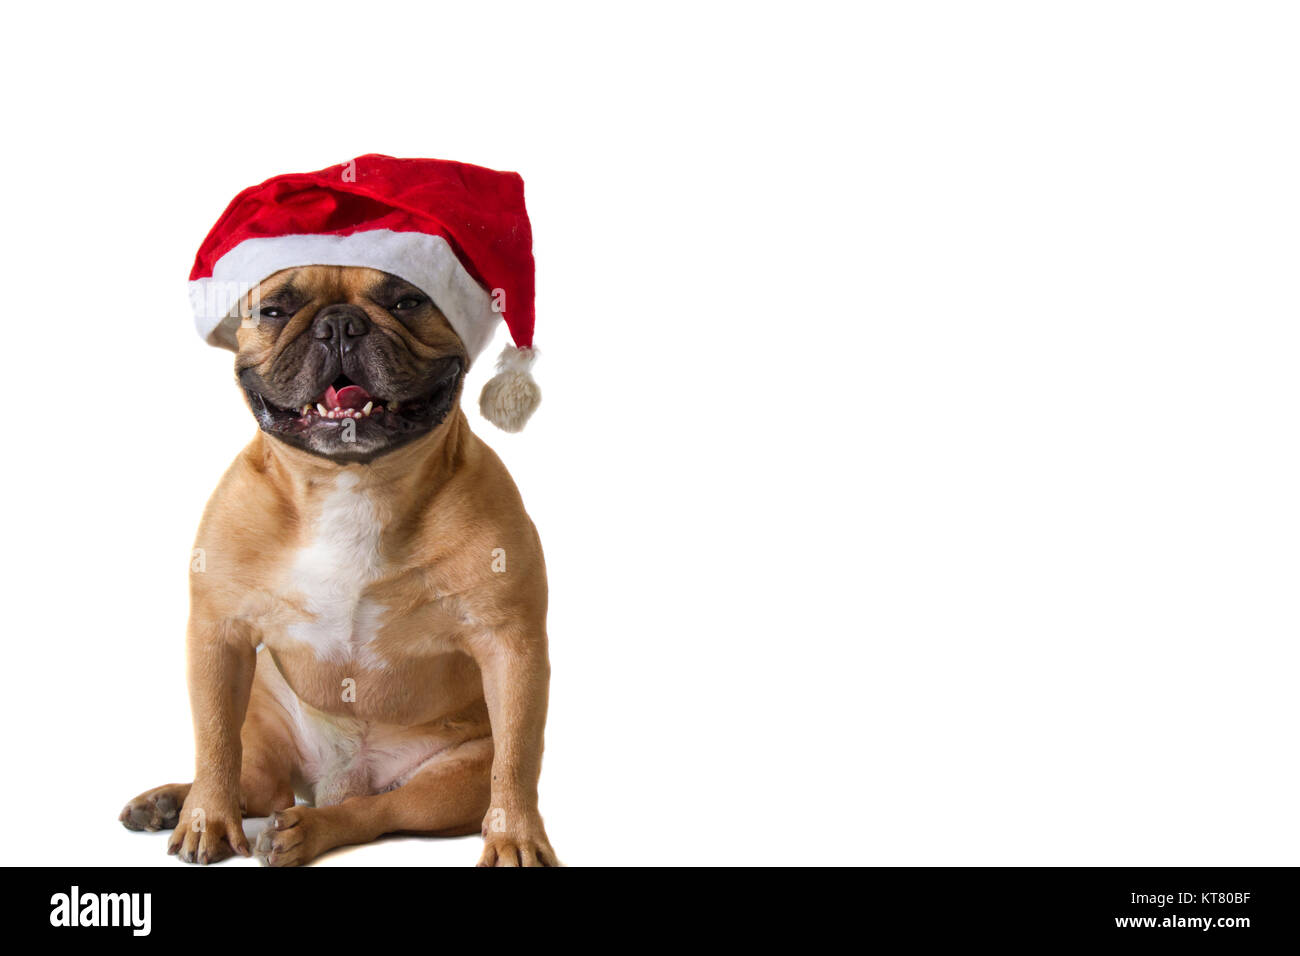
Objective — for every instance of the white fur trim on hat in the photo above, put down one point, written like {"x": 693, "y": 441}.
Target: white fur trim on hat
{"x": 424, "y": 260}
{"x": 511, "y": 396}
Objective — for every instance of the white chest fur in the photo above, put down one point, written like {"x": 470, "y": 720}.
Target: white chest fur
{"x": 331, "y": 574}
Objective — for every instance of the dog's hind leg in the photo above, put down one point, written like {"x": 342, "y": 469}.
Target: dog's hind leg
{"x": 269, "y": 752}
{"x": 261, "y": 793}
{"x": 265, "y": 771}
{"x": 156, "y": 809}
{"x": 447, "y": 797}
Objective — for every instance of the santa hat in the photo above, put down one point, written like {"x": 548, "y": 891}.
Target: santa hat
{"x": 459, "y": 233}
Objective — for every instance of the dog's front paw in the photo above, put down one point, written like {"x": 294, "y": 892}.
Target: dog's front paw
{"x": 208, "y": 830}
{"x": 520, "y": 842}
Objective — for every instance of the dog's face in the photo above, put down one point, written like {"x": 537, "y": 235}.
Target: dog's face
{"x": 346, "y": 362}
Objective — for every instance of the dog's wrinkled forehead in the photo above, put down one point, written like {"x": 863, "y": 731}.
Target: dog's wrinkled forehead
{"x": 286, "y": 304}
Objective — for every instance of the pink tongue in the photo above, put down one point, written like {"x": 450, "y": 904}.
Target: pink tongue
{"x": 349, "y": 396}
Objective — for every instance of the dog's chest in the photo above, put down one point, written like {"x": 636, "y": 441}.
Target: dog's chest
{"x": 329, "y": 578}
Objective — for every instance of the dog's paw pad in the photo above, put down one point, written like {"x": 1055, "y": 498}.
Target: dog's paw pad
{"x": 155, "y": 809}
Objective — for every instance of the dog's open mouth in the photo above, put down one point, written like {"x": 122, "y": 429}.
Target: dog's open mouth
{"x": 359, "y": 417}
{"x": 344, "y": 399}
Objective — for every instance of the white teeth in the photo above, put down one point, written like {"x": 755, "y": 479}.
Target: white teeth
{"x": 334, "y": 414}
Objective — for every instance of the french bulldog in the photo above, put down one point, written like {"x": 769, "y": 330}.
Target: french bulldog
{"x": 368, "y": 605}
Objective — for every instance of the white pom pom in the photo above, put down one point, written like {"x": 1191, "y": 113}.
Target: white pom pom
{"x": 511, "y": 396}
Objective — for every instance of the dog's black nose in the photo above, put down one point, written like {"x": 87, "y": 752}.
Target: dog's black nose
{"x": 340, "y": 324}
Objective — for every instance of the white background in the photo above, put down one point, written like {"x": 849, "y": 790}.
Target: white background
{"x": 917, "y": 468}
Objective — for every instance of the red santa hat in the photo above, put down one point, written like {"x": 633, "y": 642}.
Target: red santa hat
{"x": 459, "y": 233}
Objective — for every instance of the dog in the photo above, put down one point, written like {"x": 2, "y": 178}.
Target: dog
{"x": 368, "y": 612}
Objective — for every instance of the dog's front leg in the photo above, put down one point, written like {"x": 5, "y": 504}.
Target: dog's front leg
{"x": 516, "y": 678}
{"x": 221, "y": 658}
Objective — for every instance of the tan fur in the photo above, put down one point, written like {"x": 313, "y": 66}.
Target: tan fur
{"x": 450, "y": 692}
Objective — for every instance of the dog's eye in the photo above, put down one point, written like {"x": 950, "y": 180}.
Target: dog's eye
{"x": 406, "y": 304}
{"x": 273, "y": 313}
